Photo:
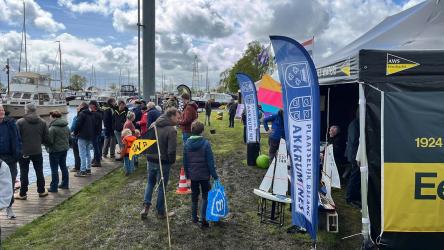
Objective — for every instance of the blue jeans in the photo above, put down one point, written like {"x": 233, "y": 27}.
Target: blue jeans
{"x": 97, "y": 148}
{"x": 153, "y": 178}
{"x": 85, "y": 154}
{"x": 56, "y": 160}
{"x": 128, "y": 165}
{"x": 185, "y": 137}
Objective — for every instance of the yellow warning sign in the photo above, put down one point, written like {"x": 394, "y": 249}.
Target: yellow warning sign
{"x": 346, "y": 70}
{"x": 139, "y": 146}
{"x": 397, "y": 64}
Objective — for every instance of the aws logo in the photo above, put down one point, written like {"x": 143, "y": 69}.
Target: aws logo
{"x": 397, "y": 64}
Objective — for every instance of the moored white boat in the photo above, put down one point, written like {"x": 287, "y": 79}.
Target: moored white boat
{"x": 30, "y": 87}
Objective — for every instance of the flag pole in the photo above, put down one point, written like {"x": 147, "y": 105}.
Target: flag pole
{"x": 163, "y": 184}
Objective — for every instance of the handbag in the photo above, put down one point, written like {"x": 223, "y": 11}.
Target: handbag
{"x": 217, "y": 207}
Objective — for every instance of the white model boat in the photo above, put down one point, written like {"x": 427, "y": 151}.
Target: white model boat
{"x": 274, "y": 186}
{"x": 30, "y": 87}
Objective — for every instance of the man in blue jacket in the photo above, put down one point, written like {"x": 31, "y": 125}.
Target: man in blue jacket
{"x": 277, "y": 132}
{"x": 10, "y": 146}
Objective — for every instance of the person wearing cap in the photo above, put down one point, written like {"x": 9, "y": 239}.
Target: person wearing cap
{"x": 33, "y": 132}
{"x": 98, "y": 118}
{"x": 57, "y": 147}
{"x": 137, "y": 110}
{"x": 84, "y": 131}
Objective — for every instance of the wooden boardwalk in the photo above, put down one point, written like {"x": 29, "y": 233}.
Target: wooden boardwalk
{"x": 34, "y": 207}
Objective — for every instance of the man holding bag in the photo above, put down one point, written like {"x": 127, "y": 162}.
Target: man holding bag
{"x": 198, "y": 161}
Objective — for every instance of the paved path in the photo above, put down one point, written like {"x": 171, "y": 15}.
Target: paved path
{"x": 34, "y": 207}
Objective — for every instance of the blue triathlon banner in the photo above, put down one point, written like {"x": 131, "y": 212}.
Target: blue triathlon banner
{"x": 300, "y": 90}
{"x": 249, "y": 97}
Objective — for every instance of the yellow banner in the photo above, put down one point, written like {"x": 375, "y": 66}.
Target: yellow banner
{"x": 413, "y": 197}
{"x": 139, "y": 146}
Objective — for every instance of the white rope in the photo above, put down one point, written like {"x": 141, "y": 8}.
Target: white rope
{"x": 163, "y": 184}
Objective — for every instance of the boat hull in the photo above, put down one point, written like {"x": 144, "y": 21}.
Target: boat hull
{"x": 18, "y": 110}
{"x": 272, "y": 197}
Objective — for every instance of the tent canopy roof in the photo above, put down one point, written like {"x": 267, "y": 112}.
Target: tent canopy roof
{"x": 416, "y": 29}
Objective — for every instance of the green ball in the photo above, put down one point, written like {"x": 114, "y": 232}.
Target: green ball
{"x": 263, "y": 161}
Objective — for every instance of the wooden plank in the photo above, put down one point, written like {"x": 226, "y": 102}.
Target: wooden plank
{"x": 35, "y": 206}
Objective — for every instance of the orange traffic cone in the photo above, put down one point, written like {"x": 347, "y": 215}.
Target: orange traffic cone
{"x": 183, "y": 188}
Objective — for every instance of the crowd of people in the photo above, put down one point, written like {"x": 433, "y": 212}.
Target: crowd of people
{"x": 95, "y": 133}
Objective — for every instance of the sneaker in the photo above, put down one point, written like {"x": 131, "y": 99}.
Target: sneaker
{"x": 112, "y": 156}
{"x": 73, "y": 170}
{"x": 9, "y": 213}
{"x": 19, "y": 197}
{"x": 118, "y": 159}
{"x": 63, "y": 187}
{"x": 195, "y": 220}
{"x": 105, "y": 156}
{"x": 205, "y": 224}
{"x": 88, "y": 172}
{"x": 163, "y": 215}
{"x": 97, "y": 165}
{"x": 144, "y": 212}
{"x": 45, "y": 193}
{"x": 80, "y": 174}
{"x": 53, "y": 190}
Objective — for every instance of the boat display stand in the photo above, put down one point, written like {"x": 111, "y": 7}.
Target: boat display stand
{"x": 271, "y": 211}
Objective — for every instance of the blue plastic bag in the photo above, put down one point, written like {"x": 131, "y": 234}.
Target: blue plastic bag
{"x": 217, "y": 207}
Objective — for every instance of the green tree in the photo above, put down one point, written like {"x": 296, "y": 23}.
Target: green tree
{"x": 77, "y": 82}
{"x": 247, "y": 64}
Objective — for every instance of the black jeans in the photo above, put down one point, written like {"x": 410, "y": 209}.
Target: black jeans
{"x": 37, "y": 161}
{"x": 273, "y": 148}
{"x": 354, "y": 183}
{"x": 12, "y": 164}
{"x": 75, "y": 150}
{"x": 196, "y": 188}
{"x": 231, "y": 119}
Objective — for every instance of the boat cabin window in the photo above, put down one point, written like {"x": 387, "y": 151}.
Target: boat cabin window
{"x": 36, "y": 97}
{"x": 26, "y": 96}
{"x": 17, "y": 95}
{"x": 22, "y": 80}
{"x": 44, "y": 97}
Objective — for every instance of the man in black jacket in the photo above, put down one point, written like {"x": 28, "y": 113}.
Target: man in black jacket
{"x": 110, "y": 139}
{"x": 119, "y": 119}
{"x": 85, "y": 135}
{"x": 353, "y": 196}
{"x": 98, "y": 118}
{"x": 33, "y": 132}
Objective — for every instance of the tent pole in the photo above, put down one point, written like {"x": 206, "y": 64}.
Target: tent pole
{"x": 363, "y": 163}
{"x": 328, "y": 114}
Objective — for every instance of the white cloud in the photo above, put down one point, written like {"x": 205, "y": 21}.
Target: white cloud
{"x": 217, "y": 31}
{"x": 78, "y": 55}
{"x": 11, "y": 12}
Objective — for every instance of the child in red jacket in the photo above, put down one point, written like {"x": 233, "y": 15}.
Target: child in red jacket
{"x": 127, "y": 140}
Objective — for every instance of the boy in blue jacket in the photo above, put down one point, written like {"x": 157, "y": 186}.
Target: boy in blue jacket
{"x": 198, "y": 161}
{"x": 277, "y": 132}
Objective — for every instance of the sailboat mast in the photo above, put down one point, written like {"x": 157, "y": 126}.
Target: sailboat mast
{"x": 138, "y": 47}
{"x": 24, "y": 34}
{"x": 60, "y": 67}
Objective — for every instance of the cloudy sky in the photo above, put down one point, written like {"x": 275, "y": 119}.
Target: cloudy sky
{"x": 103, "y": 33}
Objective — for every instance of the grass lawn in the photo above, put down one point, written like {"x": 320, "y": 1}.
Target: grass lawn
{"x": 106, "y": 214}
